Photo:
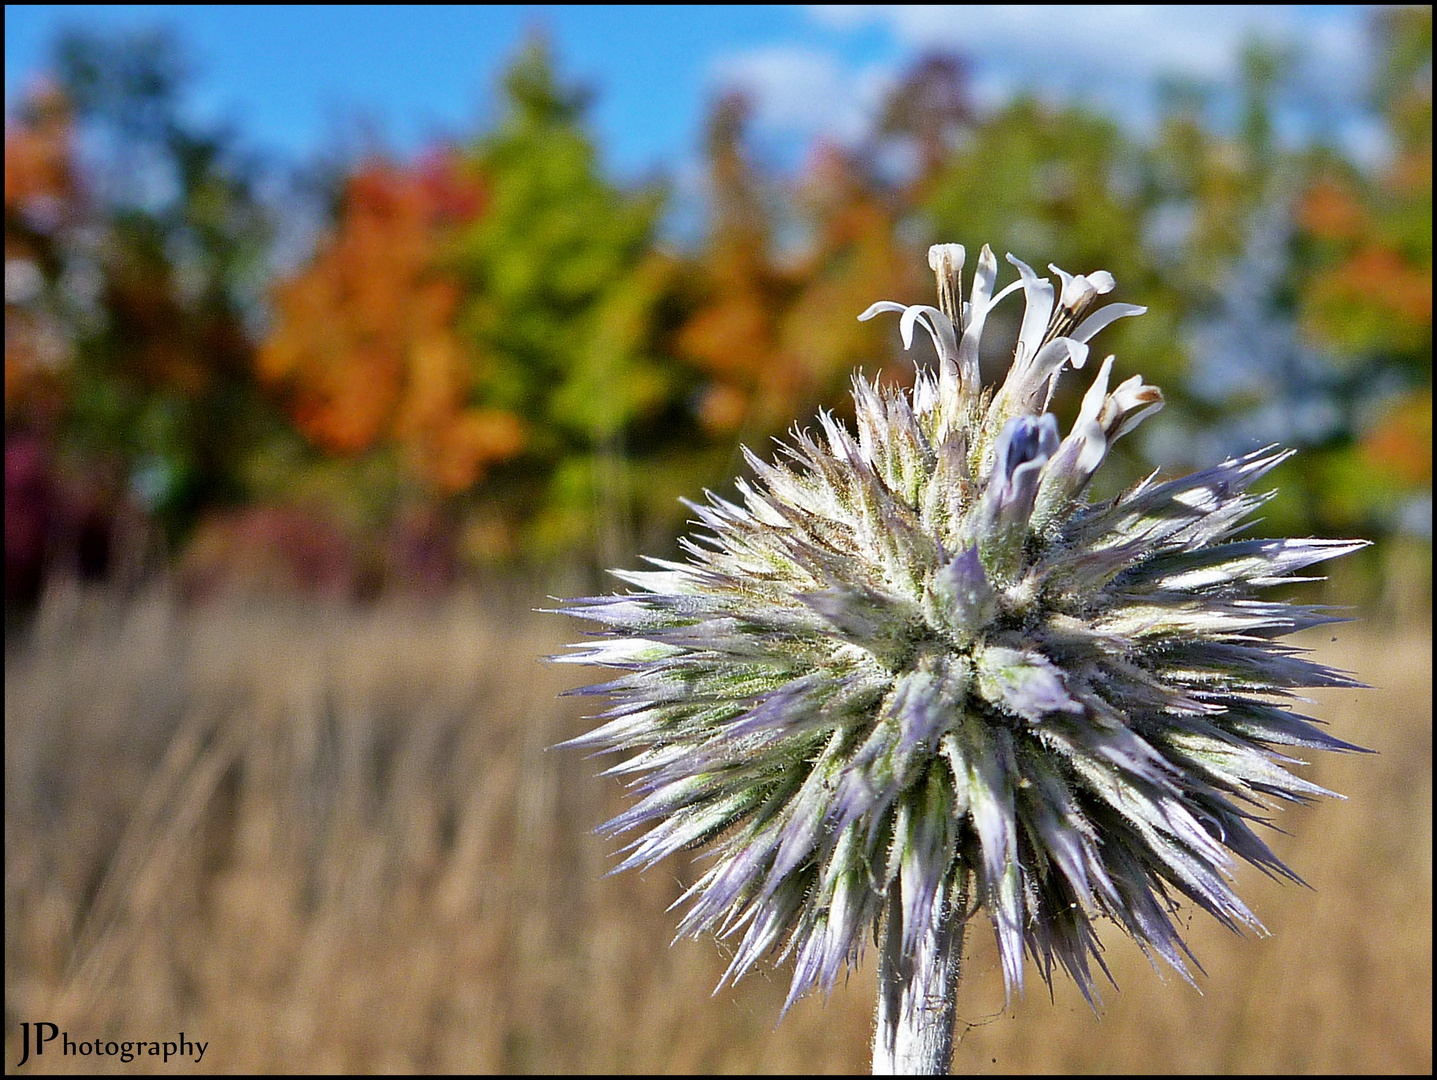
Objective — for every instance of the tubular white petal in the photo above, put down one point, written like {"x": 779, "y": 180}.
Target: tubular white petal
{"x": 1039, "y": 295}
{"x": 1104, "y": 317}
{"x": 944, "y": 256}
{"x": 880, "y": 306}
{"x": 985, "y": 275}
{"x": 1079, "y": 291}
{"x": 938, "y": 325}
{"x": 1042, "y": 376}
{"x": 1097, "y": 394}
{"x": 1129, "y": 405}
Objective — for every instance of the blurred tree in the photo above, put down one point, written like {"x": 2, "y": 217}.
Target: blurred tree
{"x": 40, "y": 202}
{"x": 776, "y": 334}
{"x": 41, "y": 206}
{"x": 1308, "y": 279}
{"x": 737, "y": 295}
{"x": 1218, "y": 225}
{"x": 363, "y": 343}
{"x": 1066, "y": 186}
{"x": 855, "y": 256}
{"x": 930, "y": 108}
{"x": 566, "y": 299}
{"x": 1371, "y": 285}
{"x": 1035, "y": 179}
{"x": 156, "y": 259}
{"x": 1366, "y": 289}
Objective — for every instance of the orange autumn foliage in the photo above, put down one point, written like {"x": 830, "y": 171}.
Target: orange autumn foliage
{"x": 364, "y": 347}
{"x": 38, "y": 152}
{"x": 1400, "y": 444}
{"x": 40, "y": 197}
{"x": 1330, "y": 210}
{"x": 732, "y": 339}
{"x": 1380, "y": 276}
{"x": 855, "y": 258}
{"x": 764, "y": 330}
{"x": 1373, "y": 274}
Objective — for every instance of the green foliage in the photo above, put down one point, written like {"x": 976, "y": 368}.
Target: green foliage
{"x": 566, "y": 307}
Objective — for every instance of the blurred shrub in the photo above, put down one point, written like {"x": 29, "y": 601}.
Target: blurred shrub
{"x": 271, "y": 549}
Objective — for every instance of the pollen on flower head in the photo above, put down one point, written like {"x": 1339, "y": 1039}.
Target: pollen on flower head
{"x": 916, "y": 663}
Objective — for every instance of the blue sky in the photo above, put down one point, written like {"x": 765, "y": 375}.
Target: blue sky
{"x": 293, "y": 78}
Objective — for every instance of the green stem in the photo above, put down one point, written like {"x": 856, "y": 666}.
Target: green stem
{"x": 917, "y": 994}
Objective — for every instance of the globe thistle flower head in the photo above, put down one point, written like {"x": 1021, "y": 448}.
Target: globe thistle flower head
{"x": 916, "y": 669}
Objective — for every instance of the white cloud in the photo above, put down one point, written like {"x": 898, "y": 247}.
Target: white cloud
{"x": 1113, "y": 56}
{"x": 1137, "y": 38}
{"x": 805, "y": 91}
{"x": 791, "y": 87}
{"x": 1109, "y": 57}
{"x": 1195, "y": 41}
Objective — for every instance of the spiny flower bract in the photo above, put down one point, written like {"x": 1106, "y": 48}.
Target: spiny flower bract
{"x": 917, "y": 663}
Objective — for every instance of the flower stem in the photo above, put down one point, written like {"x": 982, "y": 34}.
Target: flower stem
{"x": 917, "y": 994}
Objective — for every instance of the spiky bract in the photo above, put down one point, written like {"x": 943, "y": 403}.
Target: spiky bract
{"x": 917, "y": 663}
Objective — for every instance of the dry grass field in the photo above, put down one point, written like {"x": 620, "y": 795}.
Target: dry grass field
{"x": 335, "y": 839}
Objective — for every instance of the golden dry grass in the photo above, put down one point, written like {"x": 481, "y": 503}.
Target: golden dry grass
{"x": 326, "y": 839}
